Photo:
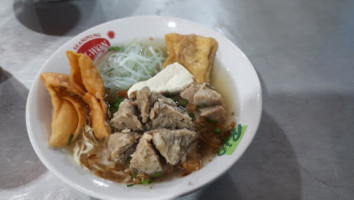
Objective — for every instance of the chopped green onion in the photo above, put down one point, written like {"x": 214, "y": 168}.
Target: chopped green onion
{"x": 134, "y": 175}
{"x": 168, "y": 95}
{"x": 120, "y": 100}
{"x": 145, "y": 182}
{"x": 116, "y": 105}
{"x": 191, "y": 115}
{"x": 224, "y": 139}
{"x": 70, "y": 139}
{"x": 130, "y": 185}
{"x": 217, "y": 130}
{"x": 173, "y": 99}
{"x": 157, "y": 174}
{"x": 184, "y": 103}
{"x": 128, "y": 159}
{"x": 113, "y": 109}
{"x": 212, "y": 120}
{"x": 201, "y": 106}
{"x": 111, "y": 123}
{"x": 115, "y": 48}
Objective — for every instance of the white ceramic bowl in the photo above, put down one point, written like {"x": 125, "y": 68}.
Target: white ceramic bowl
{"x": 39, "y": 108}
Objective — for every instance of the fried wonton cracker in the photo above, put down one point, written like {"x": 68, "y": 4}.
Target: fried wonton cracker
{"x": 75, "y": 70}
{"x": 64, "y": 113}
{"x": 64, "y": 124}
{"x": 69, "y": 93}
{"x": 85, "y": 76}
{"x": 196, "y": 53}
{"x": 98, "y": 117}
{"x": 59, "y": 80}
{"x": 69, "y": 110}
{"x": 82, "y": 113}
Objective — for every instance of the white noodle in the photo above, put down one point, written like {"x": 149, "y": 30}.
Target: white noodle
{"x": 86, "y": 144}
{"x": 137, "y": 62}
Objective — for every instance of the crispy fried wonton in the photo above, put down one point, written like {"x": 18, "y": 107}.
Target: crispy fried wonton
{"x": 64, "y": 111}
{"x": 82, "y": 113}
{"x": 64, "y": 124}
{"x": 85, "y": 76}
{"x": 99, "y": 124}
{"x": 70, "y": 94}
{"x": 75, "y": 70}
{"x": 59, "y": 80}
{"x": 196, "y": 53}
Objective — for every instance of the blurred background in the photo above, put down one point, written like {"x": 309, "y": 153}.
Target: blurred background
{"x": 303, "y": 52}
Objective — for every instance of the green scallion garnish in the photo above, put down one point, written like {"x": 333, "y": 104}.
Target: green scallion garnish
{"x": 217, "y": 130}
{"x": 116, "y": 105}
{"x": 70, "y": 139}
{"x": 145, "y": 182}
{"x": 184, "y": 102}
{"x": 191, "y": 115}
{"x": 120, "y": 100}
{"x": 212, "y": 120}
{"x": 157, "y": 174}
{"x": 115, "y": 48}
{"x": 201, "y": 106}
{"x": 128, "y": 159}
{"x": 130, "y": 185}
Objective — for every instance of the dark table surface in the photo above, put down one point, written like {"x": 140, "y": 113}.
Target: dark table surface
{"x": 303, "y": 52}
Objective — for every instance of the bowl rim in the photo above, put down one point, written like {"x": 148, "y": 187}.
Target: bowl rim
{"x": 81, "y": 188}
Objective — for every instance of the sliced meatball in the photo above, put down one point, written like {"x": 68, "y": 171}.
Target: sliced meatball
{"x": 215, "y": 112}
{"x": 207, "y": 96}
{"x": 142, "y": 99}
{"x": 126, "y": 117}
{"x": 145, "y": 158}
{"x": 189, "y": 92}
{"x": 200, "y": 94}
{"x": 122, "y": 144}
{"x": 154, "y": 96}
{"x": 166, "y": 114}
{"x": 174, "y": 145}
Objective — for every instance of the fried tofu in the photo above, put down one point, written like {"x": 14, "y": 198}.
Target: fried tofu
{"x": 196, "y": 53}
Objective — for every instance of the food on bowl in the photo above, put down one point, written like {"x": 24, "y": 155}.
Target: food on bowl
{"x": 68, "y": 109}
{"x": 168, "y": 122}
{"x": 88, "y": 81}
{"x": 170, "y": 80}
{"x": 84, "y": 84}
{"x": 137, "y": 61}
{"x": 194, "y": 52}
